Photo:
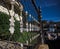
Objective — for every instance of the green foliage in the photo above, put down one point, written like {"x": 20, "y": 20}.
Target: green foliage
{"x": 17, "y": 33}
{"x": 17, "y": 36}
{"x": 4, "y": 24}
{"x": 26, "y": 36}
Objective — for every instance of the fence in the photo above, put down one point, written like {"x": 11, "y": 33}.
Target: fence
{"x": 29, "y": 26}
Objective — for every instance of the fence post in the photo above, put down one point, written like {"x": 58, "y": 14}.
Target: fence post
{"x": 27, "y": 42}
{"x": 21, "y": 19}
{"x": 21, "y": 46}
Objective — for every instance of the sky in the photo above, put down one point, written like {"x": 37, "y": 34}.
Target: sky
{"x": 50, "y": 9}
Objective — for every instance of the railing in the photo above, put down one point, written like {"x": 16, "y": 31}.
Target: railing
{"x": 34, "y": 37}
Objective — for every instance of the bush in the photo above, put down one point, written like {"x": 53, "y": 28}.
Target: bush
{"x": 4, "y": 25}
{"x": 17, "y": 36}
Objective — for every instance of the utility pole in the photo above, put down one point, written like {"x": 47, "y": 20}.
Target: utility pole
{"x": 38, "y": 10}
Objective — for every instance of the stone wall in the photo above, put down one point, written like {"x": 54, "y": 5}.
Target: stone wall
{"x": 10, "y": 45}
